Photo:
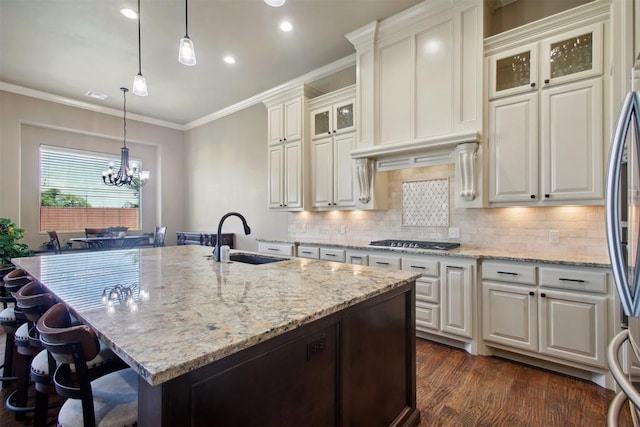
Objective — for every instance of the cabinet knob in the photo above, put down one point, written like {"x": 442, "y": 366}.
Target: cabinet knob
{"x": 284, "y": 139}
{"x": 533, "y": 196}
{"x": 329, "y": 133}
{"x": 547, "y": 81}
{"x": 533, "y": 84}
{"x": 328, "y": 204}
{"x": 334, "y": 131}
{"x": 531, "y": 293}
{"x": 543, "y": 295}
{"x": 546, "y": 196}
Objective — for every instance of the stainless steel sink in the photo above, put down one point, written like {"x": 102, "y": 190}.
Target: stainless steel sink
{"x": 254, "y": 258}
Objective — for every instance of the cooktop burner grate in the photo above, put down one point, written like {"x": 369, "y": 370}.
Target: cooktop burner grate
{"x": 415, "y": 244}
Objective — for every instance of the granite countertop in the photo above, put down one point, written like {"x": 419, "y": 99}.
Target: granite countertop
{"x": 189, "y": 310}
{"x": 469, "y": 252}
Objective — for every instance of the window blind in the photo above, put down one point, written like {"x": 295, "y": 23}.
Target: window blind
{"x": 73, "y": 195}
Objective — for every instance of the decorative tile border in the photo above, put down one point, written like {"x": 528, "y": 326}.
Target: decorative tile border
{"x": 426, "y": 203}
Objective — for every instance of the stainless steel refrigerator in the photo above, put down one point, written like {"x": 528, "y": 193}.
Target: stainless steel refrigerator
{"x": 623, "y": 238}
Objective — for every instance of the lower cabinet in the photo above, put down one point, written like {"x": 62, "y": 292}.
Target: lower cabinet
{"x": 444, "y": 295}
{"x": 286, "y": 249}
{"x": 564, "y": 315}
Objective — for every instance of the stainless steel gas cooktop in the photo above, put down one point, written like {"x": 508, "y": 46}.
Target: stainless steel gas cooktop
{"x": 415, "y": 244}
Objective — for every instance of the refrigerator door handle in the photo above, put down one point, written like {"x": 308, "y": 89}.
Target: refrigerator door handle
{"x": 629, "y": 116}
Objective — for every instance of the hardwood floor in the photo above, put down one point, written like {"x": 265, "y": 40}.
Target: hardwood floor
{"x": 455, "y": 388}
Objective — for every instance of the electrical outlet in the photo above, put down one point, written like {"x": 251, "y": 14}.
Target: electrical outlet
{"x": 454, "y": 233}
{"x": 554, "y": 236}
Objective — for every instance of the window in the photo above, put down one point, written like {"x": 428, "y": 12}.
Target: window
{"x": 74, "y": 197}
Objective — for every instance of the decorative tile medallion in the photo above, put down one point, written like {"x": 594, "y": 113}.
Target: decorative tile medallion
{"x": 426, "y": 203}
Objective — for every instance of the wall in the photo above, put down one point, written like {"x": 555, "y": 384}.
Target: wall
{"x": 27, "y": 122}
{"x": 581, "y": 229}
{"x": 227, "y": 171}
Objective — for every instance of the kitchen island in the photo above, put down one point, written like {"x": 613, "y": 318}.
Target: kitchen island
{"x": 295, "y": 342}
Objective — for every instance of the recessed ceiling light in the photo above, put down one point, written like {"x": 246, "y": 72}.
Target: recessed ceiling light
{"x": 129, "y": 13}
{"x": 229, "y": 59}
{"x": 286, "y": 26}
{"x": 96, "y": 95}
{"x": 275, "y": 3}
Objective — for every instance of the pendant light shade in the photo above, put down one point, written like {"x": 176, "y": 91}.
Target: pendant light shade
{"x": 186, "y": 51}
{"x": 140, "y": 85}
{"x": 139, "y": 82}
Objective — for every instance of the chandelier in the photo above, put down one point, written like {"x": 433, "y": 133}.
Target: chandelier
{"x": 128, "y": 173}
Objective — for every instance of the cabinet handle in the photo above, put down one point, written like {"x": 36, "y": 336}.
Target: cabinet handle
{"x": 543, "y": 295}
{"x": 546, "y": 196}
{"x": 533, "y": 196}
{"x": 330, "y": 254}
{"x": 306, "y": 252}
{"x": 531, "y": 293}
{"x": 547, "y": 81}
{"x": 273, "y": 249}
{"x": 533, "y": 84}
{"x": 563, "y": 279}
{"x": 418, "y": 266}
{"x": 382, "y": 263}
{"x": 355, "y": 257}
{"x": 455, "y": 267}
{"x": 508, "y": 272}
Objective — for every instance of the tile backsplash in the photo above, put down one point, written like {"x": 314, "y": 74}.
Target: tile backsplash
{"x": 581, "y": 229}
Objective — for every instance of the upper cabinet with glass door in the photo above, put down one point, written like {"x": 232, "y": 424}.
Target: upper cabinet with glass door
{"x": 333, "y": 119}
{"x": 569, "y": 56}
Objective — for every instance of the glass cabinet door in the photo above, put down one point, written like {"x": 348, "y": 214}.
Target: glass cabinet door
{"x": 572, "y": 55}
{"x": 344, "y": 115}
{"x": 513, "y": 71}
{"x": 321, "y": 123}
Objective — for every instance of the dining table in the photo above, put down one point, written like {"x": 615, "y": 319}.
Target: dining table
{"x": 113, "y": 242}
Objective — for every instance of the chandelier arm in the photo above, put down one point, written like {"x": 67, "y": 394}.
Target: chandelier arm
{"x": 139, "y": 43}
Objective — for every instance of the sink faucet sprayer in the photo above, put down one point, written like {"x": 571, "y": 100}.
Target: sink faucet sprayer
{"x": 247, "y": 230}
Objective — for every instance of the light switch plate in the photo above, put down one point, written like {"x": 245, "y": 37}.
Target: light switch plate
{"x": 554, "y": 236}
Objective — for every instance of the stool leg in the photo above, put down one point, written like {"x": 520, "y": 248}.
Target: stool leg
{"x": 9, "y": 352}
{"x": 22, "y": 368}
{"x": 42, "y": 407}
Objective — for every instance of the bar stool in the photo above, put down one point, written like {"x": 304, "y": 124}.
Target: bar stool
{"x": 109, "y": 400}
{"x": 9, "y": 325}
{"x": 32, "y": 300}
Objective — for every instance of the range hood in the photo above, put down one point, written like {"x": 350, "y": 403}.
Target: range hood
{"x": 424, "y": 152}
{"x": 460, "y": 148}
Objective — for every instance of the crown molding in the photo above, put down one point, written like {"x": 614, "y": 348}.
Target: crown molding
{"x": 45, "y": 96}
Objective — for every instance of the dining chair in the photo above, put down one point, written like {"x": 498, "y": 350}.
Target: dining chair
{"x": 53, "y": 239}
{"x": 96, "y": 232}
{"x": 110, "y": 400}
{"x": 158, "y": 236}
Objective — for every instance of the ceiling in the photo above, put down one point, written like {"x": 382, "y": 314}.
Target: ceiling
{"x": 68, "y": 47}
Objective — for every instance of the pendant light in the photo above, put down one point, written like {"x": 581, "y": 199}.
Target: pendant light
{"x": 126, "y": 175}
{"x": 139, "y": 82}
{"x": 186, "y": 51}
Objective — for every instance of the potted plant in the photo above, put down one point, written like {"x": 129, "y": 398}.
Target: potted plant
{"x": 10, "y": 247}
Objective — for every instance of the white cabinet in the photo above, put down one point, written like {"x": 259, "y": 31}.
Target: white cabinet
{"x": 332, "y": 254}
{"x": 333, "y": 174}
{"x": 386, "y": 260}
{"x": 311, "y": 252}
{"x": 444, "y": 295}
{"x": 273, "y": 248}
{"x": 563, "y": 316}
{"x": 332, "y": 168}
{"x": 286, "y": 121}
{"x": 546, "y": 138}
{"x": 288, "y": 148}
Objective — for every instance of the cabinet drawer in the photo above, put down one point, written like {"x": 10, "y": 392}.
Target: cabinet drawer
{"x": 508, "y": 272}
{"x": 275, "y": 248}
{"x": 308, "y": 252}
{"x": 338, "y": 255}
{"x": 427, "y": 317}
{"x": 428, "y": 290}
{"x": 385, "y": 261}
{"x": 357, "y": 258}
{"x": 427, "y": 267}
{"x": 579, "y": 279}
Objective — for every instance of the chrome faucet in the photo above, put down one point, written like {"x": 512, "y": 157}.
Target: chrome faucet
{"x": 247, "y": 230}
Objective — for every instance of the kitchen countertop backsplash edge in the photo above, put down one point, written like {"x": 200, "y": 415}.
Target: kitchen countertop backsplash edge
{"x": 463, "y": 251}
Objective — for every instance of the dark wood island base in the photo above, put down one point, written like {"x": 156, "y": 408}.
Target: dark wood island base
{"x": 355, "y": 367}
